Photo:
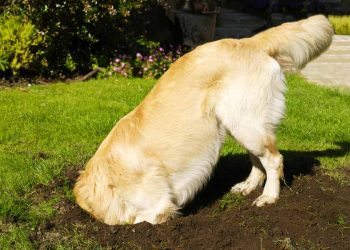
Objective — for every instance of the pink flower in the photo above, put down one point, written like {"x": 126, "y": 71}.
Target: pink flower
{"x": 138, "y": 55}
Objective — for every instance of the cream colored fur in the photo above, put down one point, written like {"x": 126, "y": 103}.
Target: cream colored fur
{"x": 161, "y": 154}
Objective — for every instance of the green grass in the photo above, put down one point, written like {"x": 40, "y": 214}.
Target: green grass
{"x": 230, "y": 200}
{"x": 318, "y": 121}
{"x": 227, "y": 201}
{"x": 47, "y": 129}
{"x": 341, "y": 24}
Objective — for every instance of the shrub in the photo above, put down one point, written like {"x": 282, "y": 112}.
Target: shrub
{"x": 341, "y": 24}
{"x": 19, "y": 41}
{"x": 80, "y": 33}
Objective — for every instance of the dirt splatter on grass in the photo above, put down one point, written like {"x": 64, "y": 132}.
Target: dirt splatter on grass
{"x": 312, "y": 213}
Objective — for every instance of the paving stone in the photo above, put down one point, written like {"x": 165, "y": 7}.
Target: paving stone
{"x": 332, "y": 68}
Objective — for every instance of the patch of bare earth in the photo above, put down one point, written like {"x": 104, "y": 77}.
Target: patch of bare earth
{"x": 313, "y": 213}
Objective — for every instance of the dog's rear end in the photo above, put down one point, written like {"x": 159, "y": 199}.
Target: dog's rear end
{"x": 158, "y": 156}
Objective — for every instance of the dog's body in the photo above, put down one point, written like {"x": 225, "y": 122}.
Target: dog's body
{"x": 158, "y": 156}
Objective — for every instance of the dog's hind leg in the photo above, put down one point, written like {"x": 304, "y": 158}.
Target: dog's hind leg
{"x": 264, "y": 154}
{"x": 250, "y": 108}
{"x": 272, "y": 161}
{"x": 256, "y": 178}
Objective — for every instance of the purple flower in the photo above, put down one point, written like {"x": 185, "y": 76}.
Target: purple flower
{"x": 138, "y": 55}
{"x": 161, "y": 49}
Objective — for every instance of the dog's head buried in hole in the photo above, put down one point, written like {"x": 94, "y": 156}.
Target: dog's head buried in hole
{"x": 162, "y": 153}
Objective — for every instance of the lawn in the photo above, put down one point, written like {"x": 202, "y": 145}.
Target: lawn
{"x": 45, "y": 130}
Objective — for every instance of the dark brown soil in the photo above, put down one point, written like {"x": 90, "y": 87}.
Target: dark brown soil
{"x": 312, "y": 213}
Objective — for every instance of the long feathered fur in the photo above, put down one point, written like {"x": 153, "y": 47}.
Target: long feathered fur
{"x": 295, "y": 44}
{"x": 160, "y": 155}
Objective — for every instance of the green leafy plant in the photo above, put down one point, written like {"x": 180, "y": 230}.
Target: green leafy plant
{"x": 341, "y": 24}
{"x": 18, "y": 42}
{"x": 3, "y": 61}
{"x": 81, "y": 33}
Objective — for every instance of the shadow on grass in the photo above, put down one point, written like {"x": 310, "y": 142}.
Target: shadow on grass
{"x": 235, "y": 168}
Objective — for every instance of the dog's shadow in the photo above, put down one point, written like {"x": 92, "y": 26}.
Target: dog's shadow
{"x": 235, "y": 168}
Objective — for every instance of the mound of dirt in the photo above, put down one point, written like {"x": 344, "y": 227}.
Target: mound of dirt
{"x": 313, "y": 213}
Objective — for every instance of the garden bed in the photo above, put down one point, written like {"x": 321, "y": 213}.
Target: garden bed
{"x": 313, "y": 213}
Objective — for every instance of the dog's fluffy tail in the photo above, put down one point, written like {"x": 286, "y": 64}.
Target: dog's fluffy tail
{"x": 295, "y": 44}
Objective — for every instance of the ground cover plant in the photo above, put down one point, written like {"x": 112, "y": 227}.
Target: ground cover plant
{"x": 47, "y": 133}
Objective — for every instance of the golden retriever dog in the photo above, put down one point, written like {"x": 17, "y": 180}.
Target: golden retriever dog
{"x": 162, "y": 153}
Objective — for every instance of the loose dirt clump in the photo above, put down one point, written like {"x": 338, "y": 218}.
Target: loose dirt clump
{"x": 313, "y": 213}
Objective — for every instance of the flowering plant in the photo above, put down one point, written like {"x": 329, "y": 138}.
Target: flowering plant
{"x": 121, "y": 66}
{"x": 155, "y": 64}
{"x": 150, "y": 65}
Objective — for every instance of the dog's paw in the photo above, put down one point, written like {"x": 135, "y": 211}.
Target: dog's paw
{"x": 263, "y": 200}
{"x": 242, "y": 188}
